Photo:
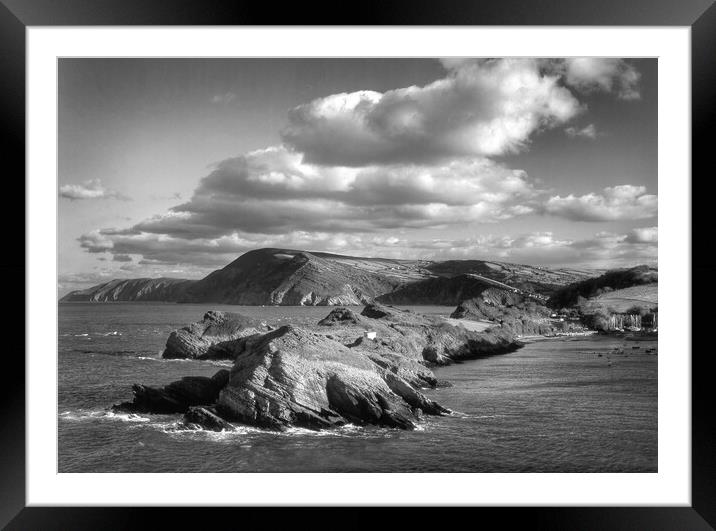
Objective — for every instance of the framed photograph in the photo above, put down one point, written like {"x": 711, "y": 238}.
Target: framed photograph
{"x": 405, "y": 259}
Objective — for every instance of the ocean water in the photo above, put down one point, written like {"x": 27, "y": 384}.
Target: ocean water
{"x": 552, "y": 406}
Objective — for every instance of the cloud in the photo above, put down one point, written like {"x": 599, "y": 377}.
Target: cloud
{"x": 542, "y": 248}
{"x": 615, "y": 203}
{"x": 357, "y": 167}
{"x": 273, "y": 191}
{"x": 481, "y": 108}
{"x": 207, "y": 253}
{"x": 643, "y": 235}
{"x": 176, "y": 196}
{"x": 91, "y": 189}
{"x": 591, "y": 74}
{"x": 589, "y": 131}
{"x": 223, "y": 99}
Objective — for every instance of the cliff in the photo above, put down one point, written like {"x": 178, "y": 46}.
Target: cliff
{"x": 137, "y": 289}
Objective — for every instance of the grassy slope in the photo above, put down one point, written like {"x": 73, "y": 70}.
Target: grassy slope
{"x": 623, "y": 299}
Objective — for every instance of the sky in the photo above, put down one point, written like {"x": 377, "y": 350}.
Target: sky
{"x": 175, "y": 167}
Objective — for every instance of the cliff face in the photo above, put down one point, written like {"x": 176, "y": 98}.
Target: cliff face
{"x": 136, "y": 289}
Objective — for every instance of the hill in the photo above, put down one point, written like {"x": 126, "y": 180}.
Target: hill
{"x": 293, "y": 277}
{"x": 288, "y": 277}
{"x": 619, "y": 301}
{"x": 137, "y": 289}
{"x": 616, "y": 279}
{"x": 533, "y": 279}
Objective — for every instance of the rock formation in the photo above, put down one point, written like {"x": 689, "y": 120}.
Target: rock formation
{"x": 212, "y": 337}
{"x": 322, "y": 376}
{"x": 512, "y": 311}
{"x": 176, "y": 397}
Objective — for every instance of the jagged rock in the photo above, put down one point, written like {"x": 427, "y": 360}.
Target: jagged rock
{"x": 378, "y": 311}
{"x": 340, "y": 316}
{"x": 296, "y": 377}
{"x": 208, "y": 338}
{"x": 177, "y": 396}
{"x": 307, "y": 377}
{"x": 205, "y": 418}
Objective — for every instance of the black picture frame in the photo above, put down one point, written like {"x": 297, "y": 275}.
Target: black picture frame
{"x": 17, "y": 15}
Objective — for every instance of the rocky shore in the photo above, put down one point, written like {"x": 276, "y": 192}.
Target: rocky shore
{"x": 364, "y": 368}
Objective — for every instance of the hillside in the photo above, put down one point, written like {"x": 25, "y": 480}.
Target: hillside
{"x": 528, "y": 278}
{"x": 288, "y": 277}
{"x": 293, "y": 277}
{"x": 616, "y": 279}
{"x": 137, "y": 289}
{"x": 442, "y": 291}
{"x": 619, "y": 301}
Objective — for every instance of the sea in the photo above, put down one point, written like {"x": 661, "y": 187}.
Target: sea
{"x": 573, "y": 404}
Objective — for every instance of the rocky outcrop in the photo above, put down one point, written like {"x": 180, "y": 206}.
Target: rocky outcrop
{"x": 323, "y": 376}
{"x": 175, "y": 397}
{"x": 212, "y": 337}
{"x": 205, "y": 418}
{"x": 293, "y": 376}
{"x": 519, "y": 314}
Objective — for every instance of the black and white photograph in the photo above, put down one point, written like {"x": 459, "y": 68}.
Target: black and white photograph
{"x": 288, "y": 264}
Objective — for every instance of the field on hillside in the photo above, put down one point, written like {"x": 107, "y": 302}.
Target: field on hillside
{"x": 622, "y": 299}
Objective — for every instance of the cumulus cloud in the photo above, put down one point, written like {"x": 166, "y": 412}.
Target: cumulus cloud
{"x": 354, "y": 167}
{"x": 273, "y": 190}
{"x": 207, "y": 253}
{"x": 543, "y": 248}
{"x": 648, "y": 235}
{"x": 590, "y": 131}
{"x": 92, "y": 189}
{"x": 590, "y": 74}
{"x": 481, "y": 108}
{"x": 614, "y": 203}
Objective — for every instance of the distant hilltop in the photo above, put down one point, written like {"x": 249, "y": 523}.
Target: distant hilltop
{"x": 292, "y": 277}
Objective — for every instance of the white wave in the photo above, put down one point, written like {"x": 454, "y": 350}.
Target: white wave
{"x": 218, "y": 363}
{"x": 461, "y": 415}
{"x": 80, "y": 415}
{"x": 180, "y": 431}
